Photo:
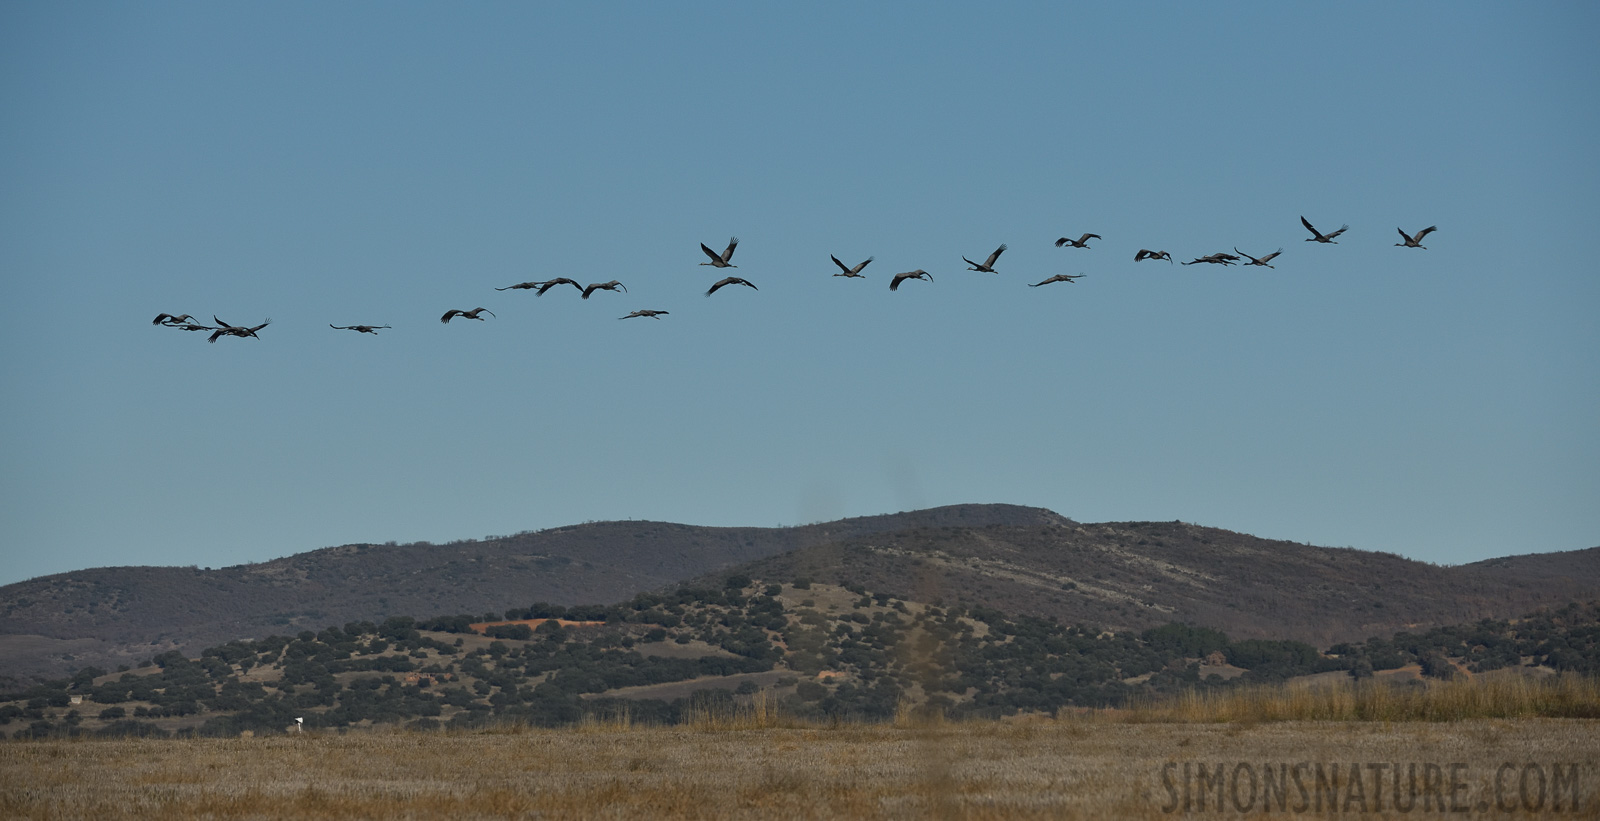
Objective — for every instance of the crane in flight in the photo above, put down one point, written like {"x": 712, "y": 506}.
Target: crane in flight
{"x": 847, "y": 271}
{"x": 472, "y": 314}
{"x": 648, "y": 313}
{"x": 730, "y": 281}
{"x": 1144, "y": 255}
{"x": 1058, "y": 278}
{"x": 548, "y": 284}
{"x": 1318, "y": 236}
{"x": 894, "y": 284}
{"x": 1218, "y": 258}
{"x": 224, "y": 329}
{"x": 987, "y": 266}
{"x": 721, "y": 261}
{"x": 1080, "y": 242}
{"x": 1416, "y": 241}
{"x": 612, "y": 286}
{"x": 1266, "y": 260}
{"x": 360, "y": 329}
{"x": 179, "y": 319}
{"x": 521, "y": 286}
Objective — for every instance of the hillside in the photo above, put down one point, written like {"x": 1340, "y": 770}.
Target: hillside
{"x": 815, "y": 652}
{"x": 1136, "y": 575}
{"x": 121, "y": 615}
{"x": 1022, "y": 560}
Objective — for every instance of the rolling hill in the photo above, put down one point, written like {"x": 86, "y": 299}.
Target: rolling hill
{"x": 1028, "y": 561}
{"x": 1136, "y": 575}
{"x": 121, "y": 615}
{"x": 810, "y": 651}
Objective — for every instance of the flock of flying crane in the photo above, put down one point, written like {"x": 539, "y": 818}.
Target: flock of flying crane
{"x": 725, "y": 260}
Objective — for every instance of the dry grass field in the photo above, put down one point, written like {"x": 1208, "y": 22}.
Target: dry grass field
{"x": 1501, "y": 694}
{"x": 1092, "y": 767}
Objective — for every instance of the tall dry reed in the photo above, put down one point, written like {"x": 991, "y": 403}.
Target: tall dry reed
{"x": 760, "y": 712}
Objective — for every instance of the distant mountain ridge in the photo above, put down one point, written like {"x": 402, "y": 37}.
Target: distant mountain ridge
{"x": 1136, "y": 575}
{"x": 1021, "y": 559}
{"x": 122, "y": 615}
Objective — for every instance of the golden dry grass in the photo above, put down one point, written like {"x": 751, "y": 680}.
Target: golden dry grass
{"x": 1557, "y": 696}
{"x": 1091, "y": 767}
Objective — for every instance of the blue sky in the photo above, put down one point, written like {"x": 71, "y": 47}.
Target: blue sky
{"x": 374, "y": 163}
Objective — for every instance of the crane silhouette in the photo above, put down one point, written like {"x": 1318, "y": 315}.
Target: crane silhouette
{"x": 612, "y": 286}
{"x": 1058, "y": 278}
{"x": 548, "y": 284}
{"x": 988, "y": 265}
{"x": 472, "y": 314}
{"x": 224, "y": 329}
{"x": 521, "y": 286}
{"x": 173, "y": 319}
{"x": 722, "y": 260}
{"x": 1416, "y": 241}
{"x": 1317, "y": 236}
{"x": 1218, "y": 258}
{"x": 1262, "y": 261}
{"x": 648, "y": 313}
{"x": 846, "y": 271}
{"x": 894, "y": 284}
{"x": 360, "y": 329}
{"x": 729, "y": 281}
{"x": 1080, "y": 242}
{"x": 1144, "y": 255}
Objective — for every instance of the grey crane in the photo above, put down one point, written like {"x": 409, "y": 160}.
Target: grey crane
{"x": 521, "y": 286}
{"x": 224, "y": 329}
{"x": 1144, "y": 255}
{"x": 1416, "y": 241}
{"x": 472, "y": 314}
{"x": 548, "y": 284}
{"x": 1059, "y": 278}
{"x": 1266, "y": 260}
{"x": 894, "y": 284}
{"x": 360, "y": 329}
{"x": 178, "y": 319}
{"x": 1080, "y": 242}
{"x": 648, "y": 313}
{"x": 987, "y": 266}
{"x": 612, "y": 286}
{"x": 1218, "y": 258}
{"x": 847, "y": 271}
{"x": 729, "y": 281}
{"x": 721, "y": 261}
{"x": 1318, "y": 236}
{"x": 191, "y": 326}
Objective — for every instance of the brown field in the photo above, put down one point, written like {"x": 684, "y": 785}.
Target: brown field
{"x": 1094, "y": 767}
